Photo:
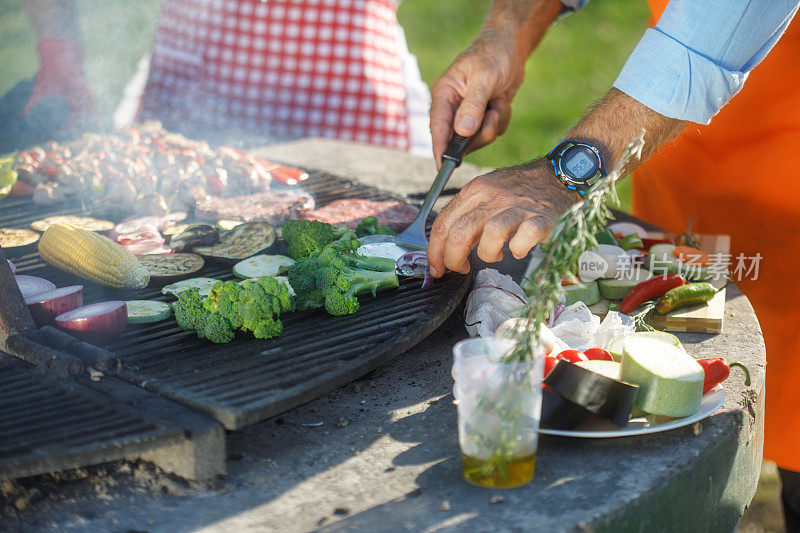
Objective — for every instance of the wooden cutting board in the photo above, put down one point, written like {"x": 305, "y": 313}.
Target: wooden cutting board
{"x": 707, "y": 318}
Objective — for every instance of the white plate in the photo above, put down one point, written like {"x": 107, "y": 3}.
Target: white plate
{"x": 711, "y": 401}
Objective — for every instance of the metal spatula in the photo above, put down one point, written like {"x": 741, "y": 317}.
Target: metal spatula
{"x": 413, "y": 237}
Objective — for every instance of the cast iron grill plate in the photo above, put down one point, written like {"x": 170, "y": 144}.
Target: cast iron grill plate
{"x": 249, "y": 380}
{"x": 46, "y": 425}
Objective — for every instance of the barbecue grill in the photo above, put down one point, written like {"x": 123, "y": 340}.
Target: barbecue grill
{"x": 247, "y": 380}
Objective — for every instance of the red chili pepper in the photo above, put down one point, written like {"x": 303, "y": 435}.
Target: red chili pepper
{"x": 573, "y": 356}
{"x": 649, "y": 289}
{"x": 717, "y": 370}
{"x": 598, "y": 354}
{"x": 549, "y": 363}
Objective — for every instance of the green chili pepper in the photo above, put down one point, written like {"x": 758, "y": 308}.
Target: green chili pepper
{"x": 684, "y": 296}
{"x": 631, "y": 241}
{"x": 606, "y": 237}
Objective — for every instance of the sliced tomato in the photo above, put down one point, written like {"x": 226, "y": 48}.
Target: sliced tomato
{"x": 573, "y": 356}
{"x": 692, "y": 256}
{"x": 598, "y": 354}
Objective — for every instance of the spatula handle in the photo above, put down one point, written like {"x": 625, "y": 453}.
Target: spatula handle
{"x": 457, "y": 148}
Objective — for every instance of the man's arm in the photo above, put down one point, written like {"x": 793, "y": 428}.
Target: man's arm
{"x": 60, "y": 50}
{"x": 521, "y": 204}
{"x": 488, "y": 73}
{"x": 685, "y": 69}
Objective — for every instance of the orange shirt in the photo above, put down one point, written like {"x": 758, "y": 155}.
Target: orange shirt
{"x": 739, "y": 176}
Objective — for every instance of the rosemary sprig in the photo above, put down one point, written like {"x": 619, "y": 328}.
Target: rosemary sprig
{"x": 574, "y": 232}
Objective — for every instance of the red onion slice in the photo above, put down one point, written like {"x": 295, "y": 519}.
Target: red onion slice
{"x": 45, "y": 306}
{"x": 99, "y": 323}
{"x": 31, "y": 285}
{"x": 415, "y": 265}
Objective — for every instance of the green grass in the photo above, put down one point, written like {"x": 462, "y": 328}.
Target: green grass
{"x": 573, "y": 66}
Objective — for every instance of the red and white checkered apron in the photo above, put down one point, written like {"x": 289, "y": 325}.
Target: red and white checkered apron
{"x": 289, "y": 68}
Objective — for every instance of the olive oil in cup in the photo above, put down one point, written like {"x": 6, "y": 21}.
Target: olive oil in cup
{"x": 499, "y": 407}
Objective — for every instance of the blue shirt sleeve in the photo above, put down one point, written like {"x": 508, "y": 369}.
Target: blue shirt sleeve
{"x": 699, "y": 54}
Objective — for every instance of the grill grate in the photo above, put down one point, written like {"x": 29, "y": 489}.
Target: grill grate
{"x": 46, "y": 425}
{"x": 249, "y": 380}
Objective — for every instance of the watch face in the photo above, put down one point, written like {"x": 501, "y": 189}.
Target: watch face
{"x": 580, "y": 163}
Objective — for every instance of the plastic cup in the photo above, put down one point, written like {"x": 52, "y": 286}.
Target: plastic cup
{"x": 499, "y": 407}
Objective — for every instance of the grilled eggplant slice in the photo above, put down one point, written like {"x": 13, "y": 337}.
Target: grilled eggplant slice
{"x": 87, "y": 223}
{"x": 241, "y": 242}
{"x": 171, "y": 266}
{"x": 16, "y": 241}
{"x": 192, "y": 236}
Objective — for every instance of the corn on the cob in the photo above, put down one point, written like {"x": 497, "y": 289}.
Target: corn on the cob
{"x": 92, "y": 256}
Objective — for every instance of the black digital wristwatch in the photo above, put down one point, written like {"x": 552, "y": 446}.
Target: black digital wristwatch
{"x": 578, "y": 164}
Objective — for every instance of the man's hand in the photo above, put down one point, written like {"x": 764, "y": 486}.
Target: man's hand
{"x": 488, "y": 73}
{"x": 518, "y": 205}
{"x": 485, "y": 75}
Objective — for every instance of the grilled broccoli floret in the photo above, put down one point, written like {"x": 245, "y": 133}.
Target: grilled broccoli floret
{"x": 334, "y": 277}
{"x": 260, "y": 303}
{"x": 216, "y": 329}
{"x": 305, "y": 237}
{"x": 224, "y": 299}
{"x": 189, "y": 311}
{"x": 254, "y": 305}
{"x": 370, "y": 226}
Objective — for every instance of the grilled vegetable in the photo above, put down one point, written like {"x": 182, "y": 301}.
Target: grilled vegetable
{"x": 203, "y": 285}
{"x": 16, "y": 240}
{"x": 685, "y": 296}
{"x": 370, "y": 226}
{"x": 8, "y": 176}
{"x": 46, "y": 306}
{"x": 98, "y": 323}
{"x": 253, "y": 305}
{"x": 31, "y": 285}
{"x": 171, "y": 266}
{"x": 91, "y": 256}
{"x": 305, "y": 237}
{"x": 241, "y": 242}
{"x": 196, "y": 235}
{"x": 262, "y": 265}
{"x": 147, "y": 311}
{"x": 87, "y": 223}
{"x": 337, "y": 275}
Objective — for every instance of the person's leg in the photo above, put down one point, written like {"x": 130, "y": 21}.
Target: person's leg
{"x": 790, "y": 495}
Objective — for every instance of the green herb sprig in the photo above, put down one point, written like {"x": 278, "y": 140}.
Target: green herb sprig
{"x": 573, "y": 234}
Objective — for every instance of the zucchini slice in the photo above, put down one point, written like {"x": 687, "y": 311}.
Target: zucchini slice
{"x": 262, "y": 265}
{"x": 204, "y": 285}
{"x": 171, "y": 265}
{"x": 241, "y": 242}
{"x": 87, "y": 223}
{"x": 617, "y": 289}
{"x": 17, "y": 238}
{"x": 147, "y": 311}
